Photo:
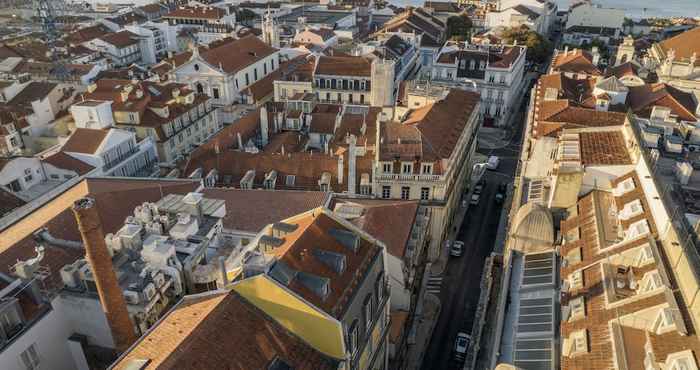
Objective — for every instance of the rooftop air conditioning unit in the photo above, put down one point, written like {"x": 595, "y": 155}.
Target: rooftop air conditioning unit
{"x": 131, "y": 297}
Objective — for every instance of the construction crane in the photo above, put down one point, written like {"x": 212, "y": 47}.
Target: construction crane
{"x": 46, "y": 12}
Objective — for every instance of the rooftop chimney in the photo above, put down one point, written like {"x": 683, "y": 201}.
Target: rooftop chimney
{"x": 111, "y": 295}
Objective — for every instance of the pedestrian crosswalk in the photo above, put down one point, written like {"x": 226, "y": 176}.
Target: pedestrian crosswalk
{"x": 434, "y": 284}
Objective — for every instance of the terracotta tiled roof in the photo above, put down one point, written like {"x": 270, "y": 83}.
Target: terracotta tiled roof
{"x": 33, "y": 92}
{"x": 431, "y": 132}
{"x": 221, "y": 329}
{"x": 642, "y": 99}
{"x": 390, "y": 221}
{"x": 344, "y": 66}
{"x": 252, "y": 210}
{"x": 88, "y": 33}
{"x": 120, "y": 39}
{"x": 84, "y": 140}
{"x": 323, "y": 123}
{"x": 684, "y": 45}
{"x": 236, "y": 55}
{"x": 313, "y": 232}
{"x": 603, "y": 148}
{"x": 265, "y": 87}
{"x": 66, "y": 162}
{"x": 622, "y": 70}
{"x": 573, "y": 106}
{"x": 197, "y": 12}
{"x": 8, "y": 202}
{"x": 575, "y": 61}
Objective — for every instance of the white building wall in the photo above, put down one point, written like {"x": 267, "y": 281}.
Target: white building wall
{"x": 84, "y": 316}
{"x": 400, "y": 297}
{"x": 20, "y": 169}
{"x": 594, "y": 16}
{"x": 50, "y": 336}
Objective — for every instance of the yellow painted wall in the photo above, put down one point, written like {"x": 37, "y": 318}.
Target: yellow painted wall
{"x": 322, "y": 332}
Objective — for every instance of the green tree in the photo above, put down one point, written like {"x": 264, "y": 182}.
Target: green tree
{"x": 539, "y": 49}
{"x": 459, "y": 27}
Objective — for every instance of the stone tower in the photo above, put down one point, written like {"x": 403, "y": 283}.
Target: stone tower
{"x": 625, "y": 52}
{"x": 271, "y": 34}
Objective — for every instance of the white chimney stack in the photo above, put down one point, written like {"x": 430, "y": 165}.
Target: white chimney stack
{"x": 263, "y": 126}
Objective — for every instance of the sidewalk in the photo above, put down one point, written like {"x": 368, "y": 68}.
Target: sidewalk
{"x": 425, "y": 324}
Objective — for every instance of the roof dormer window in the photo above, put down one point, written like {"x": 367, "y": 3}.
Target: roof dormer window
{"x": 637, "y": 229}
{"x": 624, "y": 187}
{"x": 632, "y": 209}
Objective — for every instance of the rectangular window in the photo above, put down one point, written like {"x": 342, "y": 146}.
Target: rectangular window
{"x": 215, "y": 91}
{"x": 367, "y": 312}
{"x": 255, "y": 74}
{"x": 264, "y": 69}
{"x": 30, "y": 358}
{"x": 353, "y": 339}
{"x": 28, "y": 178}
{"x": 386, "y": 167}
{"x": 427, "y": 169}
{"x": 425, "y": 193}
{"x": 407, "y": 168}
{"x": 578, "y": 309}
{"x": 386, "y": 192}
{"x": 405, "y": 192}
{"x": 247, "y": 80}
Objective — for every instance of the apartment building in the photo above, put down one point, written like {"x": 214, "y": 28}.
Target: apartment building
{"x": 323, "y": 324}
{"x": 121, "y": 47}
{"x": 498, "y": 72}
{"x": 173, "y": 116}
{"x": 576, "y": 63}
{"x": 588, "y": 21}
{"x": 426, "y": 153}
{"x": 30, "y": 177}
{"x": 432, "y": 31}
{"x": 114, "y": 152}
{"x": 543, "y": 13}
{"x": 206, "y": 23}
{"x": 404, "y": 227}
{"x": 355, "y": 80}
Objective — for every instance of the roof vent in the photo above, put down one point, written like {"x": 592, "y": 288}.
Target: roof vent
{"x": 318, "y": 285}
{"x": 280, "y": 229}
{"x": 283, "y": 273}
{"x": 347, "y": 238}
{"x": 270, "y": 242}
{"x": 335, "y": 261}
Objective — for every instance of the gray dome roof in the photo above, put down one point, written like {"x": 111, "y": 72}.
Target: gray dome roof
{"x": 533, "y": 228}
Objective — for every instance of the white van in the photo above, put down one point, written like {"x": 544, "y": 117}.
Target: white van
{"x": 493, "y": 162}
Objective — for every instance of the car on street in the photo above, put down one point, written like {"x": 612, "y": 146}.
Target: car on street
{"x": 475, "y": 199}
{"x": 462, "y": 344}
{"x": 493, "y": 162}
{"x": 464, "y": 203}
{"x": 499, "y": 198}
{"x": 479, "y": 187}
{"x": 457, "y": 248}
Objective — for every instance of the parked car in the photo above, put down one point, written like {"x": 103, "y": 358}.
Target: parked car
{"x": 457, "y": 248}
{"x": 479, "y": 187}
{"x": 493, "y": 162}
{"x": 464, "y": 203}
{"x": 499, "y": 198}
{"x": 462, "y": 344}
{"x": 475, "y": 199}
